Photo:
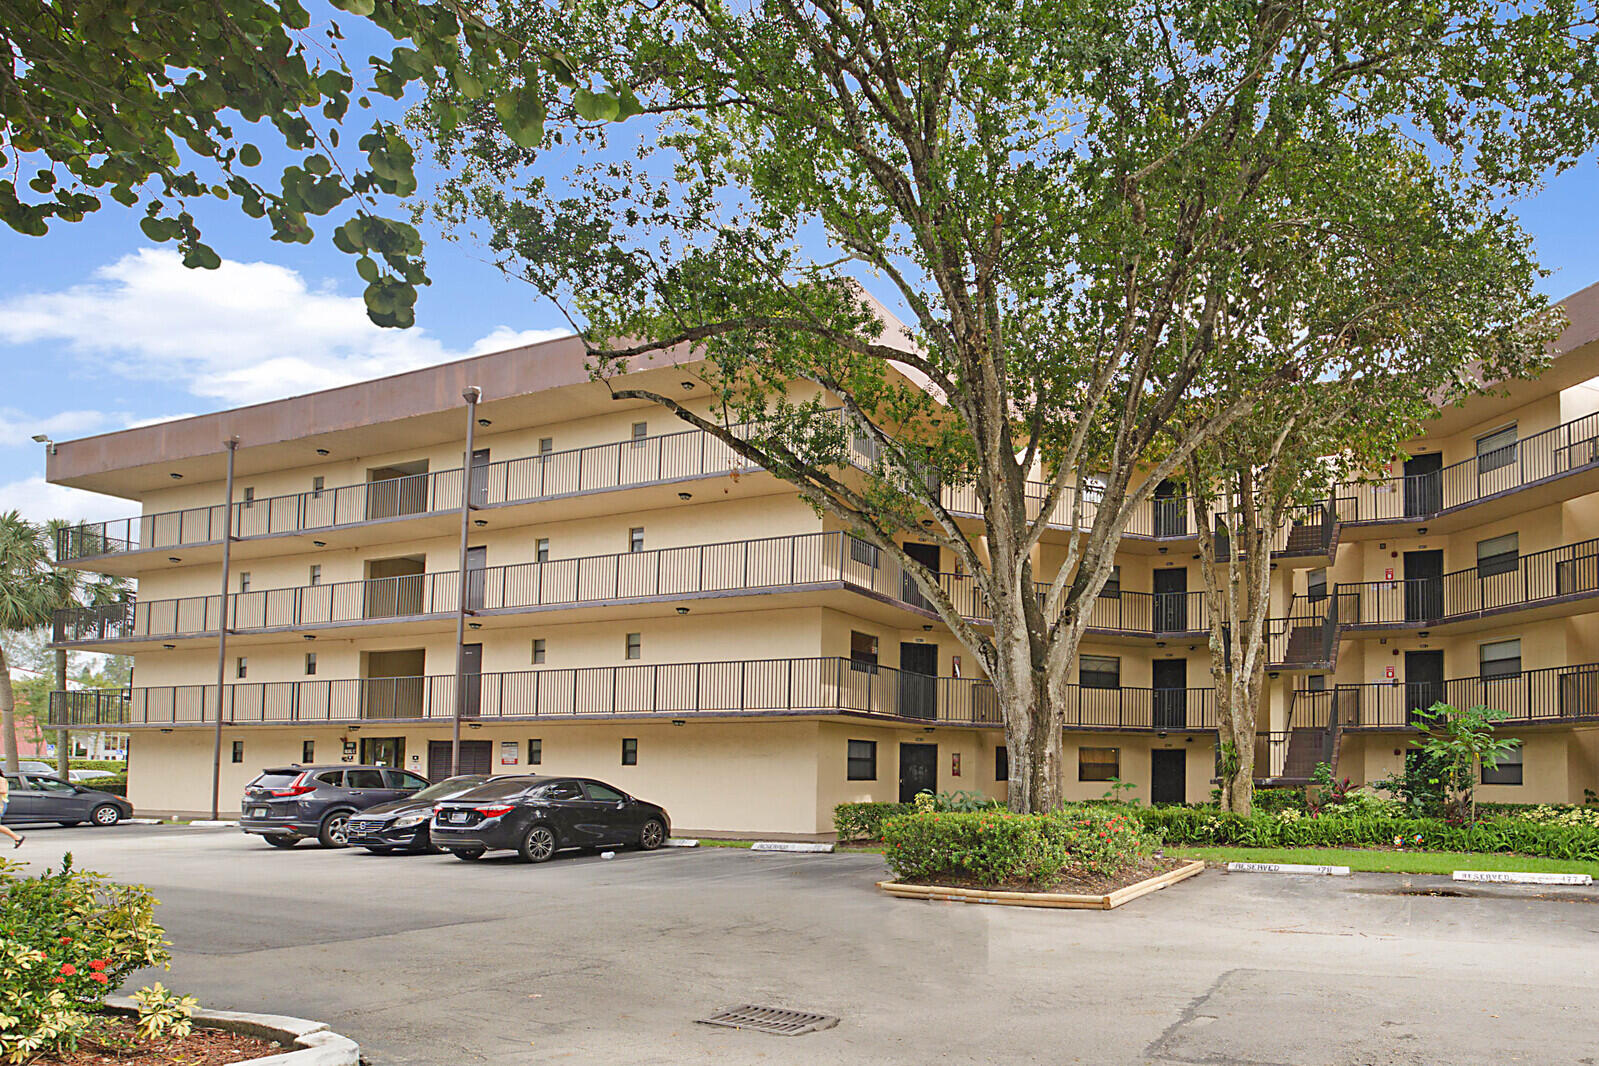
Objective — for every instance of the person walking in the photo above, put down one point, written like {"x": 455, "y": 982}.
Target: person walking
{"x": 5, "y": 798}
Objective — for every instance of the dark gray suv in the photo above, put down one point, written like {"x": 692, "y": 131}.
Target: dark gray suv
{"x": 286, "y": 804}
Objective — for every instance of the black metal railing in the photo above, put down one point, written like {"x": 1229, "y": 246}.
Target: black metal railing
{"x": 1568, "y": 570}
{"x": 1550, "y": 694}
{"x": 819, "y": 685}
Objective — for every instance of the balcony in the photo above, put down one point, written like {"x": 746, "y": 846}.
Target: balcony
{"x": 724, "y": 689}
{"x": 1554, "y": 578}
{"x": 1551, "y": 695}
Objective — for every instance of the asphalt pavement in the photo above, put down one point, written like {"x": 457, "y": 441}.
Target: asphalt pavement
{"x": 428, "y": 960}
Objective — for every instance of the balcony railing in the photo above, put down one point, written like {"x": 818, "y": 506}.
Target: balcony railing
{"x": 1551, "y": 694}
{"x": 820, "y": 685}
{"x": 1527, "y": 581}
{"x": 1567, "y": 447}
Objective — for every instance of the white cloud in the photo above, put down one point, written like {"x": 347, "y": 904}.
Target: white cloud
{"x": 17, "y": 428}
{"x": 504, "y": 337}
{"x": 40, "y": 501}
{"x": 240, "y": 334}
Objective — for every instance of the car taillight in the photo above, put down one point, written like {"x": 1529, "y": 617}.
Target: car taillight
{"x": 494, "y": 812}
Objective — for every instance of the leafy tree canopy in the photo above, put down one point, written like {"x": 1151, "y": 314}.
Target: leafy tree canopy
{"x": 161, "y": 103}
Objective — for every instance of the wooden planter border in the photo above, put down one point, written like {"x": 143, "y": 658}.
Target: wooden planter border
{"x": 1104, "y": 902}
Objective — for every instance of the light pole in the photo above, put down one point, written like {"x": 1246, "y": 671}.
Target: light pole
{"x": 471, "y": 394}
{"x": 222, "y": 629}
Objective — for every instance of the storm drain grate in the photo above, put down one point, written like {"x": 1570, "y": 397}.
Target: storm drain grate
{"x": 770, "y": 1020}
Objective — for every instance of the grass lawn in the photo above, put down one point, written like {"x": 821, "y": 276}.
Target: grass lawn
{"x": 1405, "y": 862}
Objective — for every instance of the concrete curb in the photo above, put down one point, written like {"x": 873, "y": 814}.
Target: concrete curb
{"x": 317, "y": 1044}
{"x": 784, "y": 845}
{"x": 1509, "y": 877}
{"x": 677, "y": 842}
{"x": 143, "y": 821}
{"x": 1286, "y": 868}
{"x": 206, "y": 823}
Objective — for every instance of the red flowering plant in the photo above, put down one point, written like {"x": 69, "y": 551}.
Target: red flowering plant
{"x": 68, "y": 938}
{"x": 998, "y": 847}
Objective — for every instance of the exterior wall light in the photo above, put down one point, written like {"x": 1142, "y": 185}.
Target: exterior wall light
{"x": 322, "y": 451}
{"x": 685, "y": 496}
{"x": 682, "y": 610}
{"x": 175, "y": 476}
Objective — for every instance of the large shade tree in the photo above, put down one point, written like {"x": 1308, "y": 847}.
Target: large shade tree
{"x": 1113, "y": 228}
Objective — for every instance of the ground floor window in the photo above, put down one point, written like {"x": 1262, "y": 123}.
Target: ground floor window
{"x": 238, "y": 751}
{"x": 307, "y": 752}
{"x": 1098, "y": 764}
{"x": 862, "y": 760}
{"x": 630, "y": 751}
{"x": 535, "y": 752}
{"x": 1001, "y": 764}
{"x": 1508, "y": 771}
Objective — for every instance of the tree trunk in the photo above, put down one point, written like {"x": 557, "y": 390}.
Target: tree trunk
{"x": 1036, "y": 740}
{"x": 8, "y": 715}
{"x": 63, "y": 738}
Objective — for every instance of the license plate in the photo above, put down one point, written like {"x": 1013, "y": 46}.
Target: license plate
{"x": 458, "y": 816}
{"x": 258, "y": 812}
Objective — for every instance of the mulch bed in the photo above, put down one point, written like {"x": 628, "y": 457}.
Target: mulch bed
{"x": 203, "y": 1047}
{"x": 1085, "y": 885}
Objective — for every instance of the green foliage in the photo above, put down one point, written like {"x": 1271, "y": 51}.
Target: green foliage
{"x": 1190, "y": 826}
{"x": 68, "y": 938}
{"x": 1121, "y": 792}
{"x": 159, "y": 102}
{"x": 163, "y": 1013}
{"x": 959, "y": 800}
{"x": 1273, "y": 800}
{"x": 864, "y": 821}
{"x": 1461, "y": 743}
{"x": 1003, "y": 848}
{"x": 112, "y": 767}
{"x": 116, "y": 784}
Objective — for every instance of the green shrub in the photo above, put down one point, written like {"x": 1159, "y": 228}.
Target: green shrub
{"x": 864, "y": 821}
{"x": 110, "y": 766}
{"x": 68, "y": 938}
{"x": 1272, "y": 800}
{"x": 1521, "y": 836}
{"x": 117, "y": 786}
{"x": 999, "y": 848}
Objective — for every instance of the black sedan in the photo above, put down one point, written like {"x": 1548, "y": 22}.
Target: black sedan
{"x": 403, "y": 824}
{"x": 39, "y": 798}
{"x": 537, "y": 816}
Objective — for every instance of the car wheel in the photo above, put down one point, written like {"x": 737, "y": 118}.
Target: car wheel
{"x": 538, "y": 845}
{"x": 468, "y": 854}
{"x": 106, "y": 814}
{"x": 282, "y": 842}
{"x": 69, "y": 825}
{"x": 652, "y": 836}
{"x": 335, "y": 830}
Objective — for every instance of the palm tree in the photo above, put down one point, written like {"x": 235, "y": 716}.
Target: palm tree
{"x": 24, "y": 574}
{"x": 30, "y": 592}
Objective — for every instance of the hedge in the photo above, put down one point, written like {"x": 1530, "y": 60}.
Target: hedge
{"x": 864, "y": 821}
{"x": 117, "y": 786}
{"x": 1177, "y": 826}
{"x": 998, "y": 847}
{"x": 110, "y": 766}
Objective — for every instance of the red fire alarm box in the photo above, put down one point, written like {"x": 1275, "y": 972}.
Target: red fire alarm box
{"x": 1389, "y": 673}
{"x": 1388, "y": 574}
{"x": 954, "y": 764}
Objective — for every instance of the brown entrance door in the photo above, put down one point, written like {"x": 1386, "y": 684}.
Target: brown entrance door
{"x": 1168, "y": 775}
{"x": 918, "y": 770}
{"x": 474, "y": 758}
{"x": 927, "y": 555}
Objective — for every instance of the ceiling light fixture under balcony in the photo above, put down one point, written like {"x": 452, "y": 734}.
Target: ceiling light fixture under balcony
{"x": 169, "y": 647}
{"x": 685, "y": 496}
{"x": 319, "y": 544}
{"x": 175, "y": 476}
{"x": 682, "y": 610}
{"x": 474, "y": 625}
{"x": 174, "y": 559}
{"x": 688, "y": 386}
{"x": 484, "y": 422}
{"x": 480, "y": 522}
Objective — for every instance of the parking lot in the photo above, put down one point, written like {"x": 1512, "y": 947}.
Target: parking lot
{"x": 428, "y": 960}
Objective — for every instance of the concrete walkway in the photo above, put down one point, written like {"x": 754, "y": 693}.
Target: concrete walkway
{"x": 429, "y": 960}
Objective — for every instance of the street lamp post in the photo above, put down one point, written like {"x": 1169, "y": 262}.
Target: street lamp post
{"x": 471, "y": 394}
{"x": 222, "y": 631}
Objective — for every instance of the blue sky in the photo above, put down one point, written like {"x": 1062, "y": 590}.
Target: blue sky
{"x": 100, "y": 329}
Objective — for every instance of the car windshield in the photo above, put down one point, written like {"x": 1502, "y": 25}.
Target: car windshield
{"x": 272, "y": 779}
{"x": 452, "y": 787}
{"x": 503, "y": 788}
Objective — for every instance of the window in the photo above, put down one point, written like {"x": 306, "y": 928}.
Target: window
{"x": 541, "y": 550}
{"x": 1496, "y": 449}
{"x": 249, "y": 497}
{"x": 363, "y": 779}
{"x": 546, "y": 445}
{"x": 1098, "y": 764}
{"x": 635, "y": 645}
{"x": 310, "y": 664}
{"x": 238, "y": 751}
{"x": 1099, "y": 671}
{"x": 244, "y": 581}
{"x": 640, "y": 431}
{"x": 1113, "y": 585}
{"x": 307, "y": 752}
{"x": 561, "y": 790}
{"x": 629, "y": 751}
{"x": 635, "y": 539}
{"x": 538, "y": 650}
{"x": 1498, "y": 555}
{"x": 1001, "y": 763}
{"x": 241, "y": 666}
{"x": 863, "y": 652}
{"x": 1500, "y": 659}
{"x": 862, "y": 760}
{"x": 535, "y": 752}
{"x": 1316, "y": 585}
{"x": 404, "y": 779}
{"x": 602, "y": 793}
{"x": 316, "y": 573}
{"x": 318, "y": 483}
{"x": 329, "y": 777}
{"x": 1316, "y": 682}
{"x": 1508, "y": 772}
